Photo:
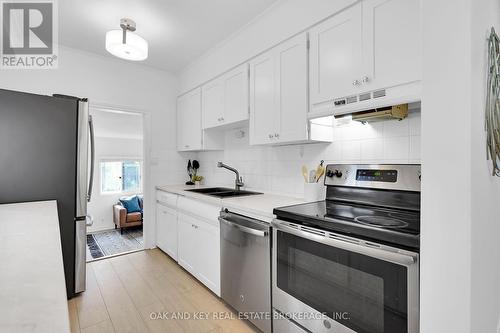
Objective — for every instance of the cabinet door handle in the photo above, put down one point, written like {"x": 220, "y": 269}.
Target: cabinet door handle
{"x": 356, "y": 83}
{"x": 365, "y": 79}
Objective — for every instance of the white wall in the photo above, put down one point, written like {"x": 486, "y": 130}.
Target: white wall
{"x": 485, "y": 188}
{"x": 446, "y": 168}
{"x": 102, "y": 203}
{"x": 106, "y": 80}
{"x": 117, "y": 124}
{"x": 278, "y": 169}
{"x": 281, "y": 21}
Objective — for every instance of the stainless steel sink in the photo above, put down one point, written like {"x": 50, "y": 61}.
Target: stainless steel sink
{"x": 223, "y": 192}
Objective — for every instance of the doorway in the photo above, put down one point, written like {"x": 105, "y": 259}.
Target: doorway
{"x": 117, "y": 205}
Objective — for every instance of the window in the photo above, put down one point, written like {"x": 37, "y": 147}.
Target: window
{"x": 120, "y": 176}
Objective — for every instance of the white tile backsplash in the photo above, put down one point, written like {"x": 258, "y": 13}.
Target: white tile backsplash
{"x": 397, "y": 148}
{"x": 414, "y": 123}
{"x": 351, "y": 150}
{"x": 395, "y": 128}
{"x": 277, "y": 169}
{"x": 372, "y": 149}
{"x": 415, "y": 148}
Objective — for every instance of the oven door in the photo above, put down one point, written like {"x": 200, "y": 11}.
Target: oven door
{"x": 327, "y": 282}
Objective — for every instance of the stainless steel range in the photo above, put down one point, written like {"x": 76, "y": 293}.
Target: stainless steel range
{"x": 350, "y": 263}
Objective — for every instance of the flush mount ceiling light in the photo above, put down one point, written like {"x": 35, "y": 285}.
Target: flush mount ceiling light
{"x": 125, "y": 43}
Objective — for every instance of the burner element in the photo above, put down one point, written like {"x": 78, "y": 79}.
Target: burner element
{"x": 381, "y": 222}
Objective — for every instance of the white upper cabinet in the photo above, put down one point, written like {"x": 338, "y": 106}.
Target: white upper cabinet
{"x": 189, "y": 132}
{"x": 336, "y": 56}
{"x": 371, "y": 46}
{"x": 291, "y": 118}
{"x": 213, "y": 103}
{"x": 225, "y": 99}
{"x": 190, "y": 135}
{"x": 262, "y": 98}
{"x": 392, "y": 42}
{"x": 278, "y": 94}
{"x": 236, "y": 95}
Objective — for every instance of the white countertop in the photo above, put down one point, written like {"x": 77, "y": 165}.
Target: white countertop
{"x": 32, "y": 284}
{"x": 257, "y": 206}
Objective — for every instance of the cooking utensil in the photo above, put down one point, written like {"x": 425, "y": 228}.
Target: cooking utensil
{"x": 320, "y": 170}
{"x": 196, "y": 165}
{"x": 190, "y": 173}
{"x": 305, "y": 173}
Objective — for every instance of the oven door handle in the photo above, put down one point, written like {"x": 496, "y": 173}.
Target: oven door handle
{"x": 350, "y": 244}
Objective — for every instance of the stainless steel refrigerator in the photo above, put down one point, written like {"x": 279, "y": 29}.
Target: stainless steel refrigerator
{"x": 46, "y": 153}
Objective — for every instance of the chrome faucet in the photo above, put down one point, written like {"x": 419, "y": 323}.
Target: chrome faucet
{"x": 238, "y": 183}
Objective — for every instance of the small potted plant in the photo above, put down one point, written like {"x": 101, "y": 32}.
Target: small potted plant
{"x": 197, "y": 180}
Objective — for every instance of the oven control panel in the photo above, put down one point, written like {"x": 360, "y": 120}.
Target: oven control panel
{"x": 364, "y": 175}
{"x": 404, "y": 177}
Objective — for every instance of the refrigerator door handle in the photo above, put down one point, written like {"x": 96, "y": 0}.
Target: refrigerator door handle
{"x": 89, "y": 220}
{"x": 83, "y": 159}
{"x": 92, "y": 158}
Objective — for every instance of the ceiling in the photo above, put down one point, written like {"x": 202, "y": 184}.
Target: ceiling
{"x": 178, "y": 31}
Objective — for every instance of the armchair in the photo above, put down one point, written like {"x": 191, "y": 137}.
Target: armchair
{"x": 122, "y": 219}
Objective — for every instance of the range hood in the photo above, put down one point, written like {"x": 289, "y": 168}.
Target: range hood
{"x": 398, "y": 112}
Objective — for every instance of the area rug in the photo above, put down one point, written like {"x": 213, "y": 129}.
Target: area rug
{"x": 93, "y": 250}
{"x": 110, "y": 242}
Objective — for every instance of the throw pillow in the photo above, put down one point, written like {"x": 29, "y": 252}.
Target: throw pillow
{"x": 131, "y": 204}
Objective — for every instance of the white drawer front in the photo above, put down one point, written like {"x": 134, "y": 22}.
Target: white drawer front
{"x": 166, "y": 198}
{"x": 205, "y": 211}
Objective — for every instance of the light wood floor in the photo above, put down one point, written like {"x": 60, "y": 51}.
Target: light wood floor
{"x": 124, "y": 293}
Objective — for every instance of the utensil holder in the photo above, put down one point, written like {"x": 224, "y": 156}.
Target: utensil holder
{"x": 314, "y": 191}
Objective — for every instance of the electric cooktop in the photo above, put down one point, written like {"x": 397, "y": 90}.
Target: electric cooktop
{"x": 380, "y": 203}
{"x": 392, "y": 226}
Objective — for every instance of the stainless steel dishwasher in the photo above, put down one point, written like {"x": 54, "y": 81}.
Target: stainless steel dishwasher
{"x": 246, "y": 267}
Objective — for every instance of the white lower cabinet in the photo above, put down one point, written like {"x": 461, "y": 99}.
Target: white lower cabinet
{"x": 199, "y": 250}
{"x": 188, "y": 231}
{"x": 187, "y": 244}
{"x": 166, "y": 229}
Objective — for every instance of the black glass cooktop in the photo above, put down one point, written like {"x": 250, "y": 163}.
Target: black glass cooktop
{"x": 389, "y": 226}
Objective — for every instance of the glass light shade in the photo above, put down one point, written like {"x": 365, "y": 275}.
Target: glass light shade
{"x": 135, "y": 48}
